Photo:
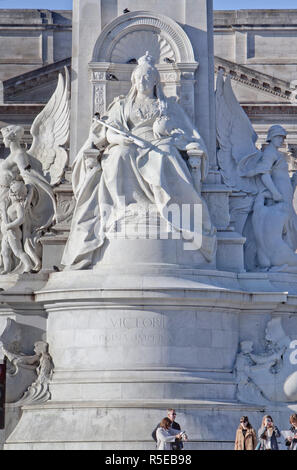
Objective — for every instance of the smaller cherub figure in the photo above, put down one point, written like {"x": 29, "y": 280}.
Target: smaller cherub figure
{"x": 13, "y": 213}
{"x": 45, "y": 368}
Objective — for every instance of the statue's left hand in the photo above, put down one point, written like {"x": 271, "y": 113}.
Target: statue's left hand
{"x": 193, "y": 146}
{"x": 95, "y": 130}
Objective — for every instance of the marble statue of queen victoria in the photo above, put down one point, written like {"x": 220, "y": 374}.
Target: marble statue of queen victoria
{"x": 143, "y": 162}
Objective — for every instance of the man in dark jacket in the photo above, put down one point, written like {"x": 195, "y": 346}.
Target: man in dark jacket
{"x": 177, "y": 445}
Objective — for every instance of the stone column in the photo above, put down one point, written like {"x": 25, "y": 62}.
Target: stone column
{"x": 199, "y": 27}
{"x": 87, "y": 26}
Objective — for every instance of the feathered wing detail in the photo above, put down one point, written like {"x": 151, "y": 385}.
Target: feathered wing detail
{"x": 50, "y": 131}
{"x": 236, "y": 138}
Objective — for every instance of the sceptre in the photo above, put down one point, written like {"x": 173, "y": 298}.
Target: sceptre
{"x": 132, "y": 138}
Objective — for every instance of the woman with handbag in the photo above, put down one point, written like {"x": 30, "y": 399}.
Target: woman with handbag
{"x": 268, "y": 434}
{"x": 246, "y": 438}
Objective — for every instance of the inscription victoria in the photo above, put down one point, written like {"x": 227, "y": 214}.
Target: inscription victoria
{"x": 131, "y": 337}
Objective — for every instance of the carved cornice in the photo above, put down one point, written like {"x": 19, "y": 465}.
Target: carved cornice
{"x": 11, "y": 109}
{"x": 258, "y": 80}
{"x": 271, "y": 110}
{"x": 35, "y": 78}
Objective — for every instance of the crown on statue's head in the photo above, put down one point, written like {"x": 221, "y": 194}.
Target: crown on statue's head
{"x": 146, "y": 59}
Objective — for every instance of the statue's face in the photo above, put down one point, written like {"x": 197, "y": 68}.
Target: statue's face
{"x": 145, "y": 80}
{"x": 12, "y": 134}
{"x": 39, "y": 348}
{"x": 5, "y": 179}
{"x": 278, "y": 140}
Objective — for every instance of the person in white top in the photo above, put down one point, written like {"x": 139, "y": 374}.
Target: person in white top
{"x": 166, "y": 435}
{"x": 268, "y": 434}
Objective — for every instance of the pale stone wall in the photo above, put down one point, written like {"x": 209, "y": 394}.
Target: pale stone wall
{"x": 264, "y": 40}
{"x": 30, "y": 39}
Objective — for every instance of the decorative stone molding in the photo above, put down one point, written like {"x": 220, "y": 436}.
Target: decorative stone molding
{"x": 256, "y": 79}
{"x": 126, "y": 39}
{"x": 270, "y": 110}
{"x": 140, "y": 41}
{"x": 33, "y": 79}
{"x": 171, "y": 36}
{"x": 99, "y": 98}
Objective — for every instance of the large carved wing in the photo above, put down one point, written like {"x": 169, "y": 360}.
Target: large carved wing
{"x": 50, "y": 131}
{"x": 236, "y": 138}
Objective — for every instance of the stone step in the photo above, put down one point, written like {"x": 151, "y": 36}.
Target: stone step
{"x": 147, "y": 390}
{"x": 111, "y": 424}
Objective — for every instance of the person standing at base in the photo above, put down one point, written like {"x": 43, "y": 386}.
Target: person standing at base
{"x": 177, "y": 444}
{"x": 291, "y": 442}
{"x": 246, "y": 438}
{"x": 166, "y": 435}
{"x": 268, "y": 434}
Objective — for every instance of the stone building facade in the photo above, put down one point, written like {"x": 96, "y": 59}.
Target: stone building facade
{"x": 87, "y": 319}
{"x": 256, "y": 47}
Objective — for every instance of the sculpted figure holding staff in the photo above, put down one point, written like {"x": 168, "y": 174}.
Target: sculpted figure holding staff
{"x": 144, "y": 139}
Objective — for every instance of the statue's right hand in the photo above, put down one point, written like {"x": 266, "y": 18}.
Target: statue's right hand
{"x": 95, "y": 128}
{"x": 277, "y": 197}
{"x": 118, "y": 139}
{"x": 128, "y": 140}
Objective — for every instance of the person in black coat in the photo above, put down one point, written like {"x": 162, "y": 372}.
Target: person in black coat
{"x": 177, "y": 445}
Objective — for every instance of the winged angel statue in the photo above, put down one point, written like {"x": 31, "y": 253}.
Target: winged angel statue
{"x": 263, "y": 207}
{"x": 27, "y": 201}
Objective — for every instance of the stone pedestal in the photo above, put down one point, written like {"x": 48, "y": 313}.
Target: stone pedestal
{"x": 152, "y": 325}
{"x": 127, "y": 345}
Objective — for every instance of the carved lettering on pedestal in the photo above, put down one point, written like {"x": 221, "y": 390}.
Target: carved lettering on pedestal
{"x": 134, "y": 339}
{"x": 142, "y": 337}
{"x": 137, "y": 322}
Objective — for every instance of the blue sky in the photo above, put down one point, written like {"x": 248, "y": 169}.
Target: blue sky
{"x": 218, "y": 4}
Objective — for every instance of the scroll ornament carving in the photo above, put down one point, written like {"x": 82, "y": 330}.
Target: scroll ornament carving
{"x": 99, "y": 99}
{"x": 99, "y": 76}
{"x": 65, "y": 208}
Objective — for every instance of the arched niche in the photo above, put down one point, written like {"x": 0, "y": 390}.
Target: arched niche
{"x": 126, "y": 39}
